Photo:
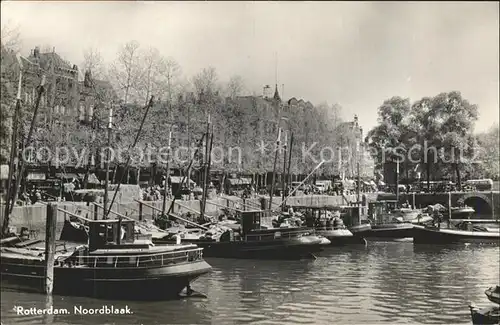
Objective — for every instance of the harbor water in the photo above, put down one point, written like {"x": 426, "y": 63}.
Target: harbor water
{"x": 383, "y": 283}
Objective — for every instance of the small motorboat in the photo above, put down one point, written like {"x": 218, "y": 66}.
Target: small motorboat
{"x": 493, "y": 294}
{"x": 483, "y": 316}
{"x": 465, "y": 233}
{"x": 490, "y": 314}
{"x": 461, "y": 212}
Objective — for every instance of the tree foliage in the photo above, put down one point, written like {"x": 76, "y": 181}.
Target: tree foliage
{"x": 434, "y": 134}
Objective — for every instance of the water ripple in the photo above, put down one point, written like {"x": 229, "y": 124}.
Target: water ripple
{"x": 393, "y": 283}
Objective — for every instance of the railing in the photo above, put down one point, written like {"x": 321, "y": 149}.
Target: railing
{"x": 131, "y": 261}
{"x": 329, "y": 228}
{"x": 277, "y": 235}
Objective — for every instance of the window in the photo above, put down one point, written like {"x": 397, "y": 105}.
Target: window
{"x": 90, "y": 112}
{"x": 81, "y": 112}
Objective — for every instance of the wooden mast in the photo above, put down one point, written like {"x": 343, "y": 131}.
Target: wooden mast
{"x": 108, "y": 156}
{"x": 163, "y": 206}
{"x": 41, "y": 89}
{"x": 13, "y": 150}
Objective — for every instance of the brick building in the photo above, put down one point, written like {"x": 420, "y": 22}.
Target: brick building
{"x": 94, "y": 95}
{"x": 61, "y": 95}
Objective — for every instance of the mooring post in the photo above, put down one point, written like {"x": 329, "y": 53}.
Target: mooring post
{"x": 140, "y": 211}
{"x": 263, "y": 205}
{"x": 50, "y": 246}
{"x": 449, "y": 207}
{"x": 492, "y": 206}
{"x": 49, "y": 317}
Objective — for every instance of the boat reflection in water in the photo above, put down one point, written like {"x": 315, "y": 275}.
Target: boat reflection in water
{"x": 252, "y": 237}
{"x": 114, "y": 264}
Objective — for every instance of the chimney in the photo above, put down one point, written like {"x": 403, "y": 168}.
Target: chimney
{"x": 267, "y": 91}
{"x": 36, "y": 52}
{"x": 356, "y": 120}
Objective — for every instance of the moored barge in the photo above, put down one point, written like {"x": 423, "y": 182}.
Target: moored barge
{"x": 113, "y": 265}
{"x": 252, "y": 239}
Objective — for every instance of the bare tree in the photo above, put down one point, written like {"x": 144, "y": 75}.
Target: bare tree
{"x": 125, "y": 71}
{"x": 172, "y": 73}
{"x": 206, "y": 81}
{"x": 235, "y": 86}
{"x": 92, "y": 61}
{"x": 153, "y": 77}
{"x": 11, "y": 37}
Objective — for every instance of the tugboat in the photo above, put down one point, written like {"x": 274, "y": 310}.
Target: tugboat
{"x": 113, "y": 265}
{"x": 251, "y": 238}
{"x": 390, "y": 223}
{"x": 488, "y": 315}
{"x": 358, "y": 224}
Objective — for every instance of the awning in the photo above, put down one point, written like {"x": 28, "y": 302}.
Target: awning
{"x": 36, "y": 176}
{"x": 240, "y": 181}
{"x": 178, "y": 180}
{"x": 4, "y": 172}
{"x": 66, "y": 175}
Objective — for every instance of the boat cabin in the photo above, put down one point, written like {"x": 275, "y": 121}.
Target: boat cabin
{"x": 254, "y": 219}
{"x": 256, "y": 225}
{"x": 380, "y": 210}
{"x": 111, "y": 233}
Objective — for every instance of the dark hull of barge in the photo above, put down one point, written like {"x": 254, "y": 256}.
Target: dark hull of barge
{"x": 277, "y": 250}
{"x": 388, "y": 232}
{"x": 107, "y": 283}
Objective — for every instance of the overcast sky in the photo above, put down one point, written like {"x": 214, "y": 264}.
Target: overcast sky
{"x": 355, "y": 54}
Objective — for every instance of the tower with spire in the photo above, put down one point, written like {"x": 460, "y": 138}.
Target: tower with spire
{"x": 276, "y": 96}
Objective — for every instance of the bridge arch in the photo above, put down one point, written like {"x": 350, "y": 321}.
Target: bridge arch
{"x": 481, "y": 203}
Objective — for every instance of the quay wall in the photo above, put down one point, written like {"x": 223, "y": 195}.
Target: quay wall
{"x": 33, "y": 216}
